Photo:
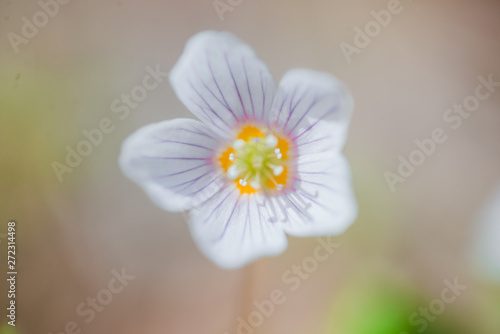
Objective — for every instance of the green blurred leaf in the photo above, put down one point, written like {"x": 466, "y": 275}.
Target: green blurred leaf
{"x": 8, "y": 329}
{"x": 372, "y": 307}
{"x": 374, "y": 303}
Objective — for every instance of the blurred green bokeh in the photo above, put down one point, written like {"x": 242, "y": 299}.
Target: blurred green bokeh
{"x": 8, "y": 329}
{"x": 371, "y": 303}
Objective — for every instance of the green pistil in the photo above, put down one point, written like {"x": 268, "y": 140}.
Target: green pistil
{"x": 256, "y": 161}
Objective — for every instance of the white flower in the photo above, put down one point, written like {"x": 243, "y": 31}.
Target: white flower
{"x": 262, "y": 163}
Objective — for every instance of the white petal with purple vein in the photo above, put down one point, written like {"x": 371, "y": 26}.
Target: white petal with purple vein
{"x": 233, "y": 230}
{"x": 171, "y": 160}
{"x": 323, "y": 202}
{"x": 306, "y": 97}
{"x": 222, "y": 82}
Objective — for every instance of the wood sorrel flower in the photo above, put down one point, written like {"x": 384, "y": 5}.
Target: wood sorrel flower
{"x": 262, "y": 163}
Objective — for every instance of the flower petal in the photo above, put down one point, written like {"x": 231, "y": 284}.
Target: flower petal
{"x": 222, "y": 82}
{"x": 232, "y": 229}
{"x": 313, "y": 109}
{"x": 172, "y": 161}
{"x": 321, "y": 201}
{"x": 306, "y": 97}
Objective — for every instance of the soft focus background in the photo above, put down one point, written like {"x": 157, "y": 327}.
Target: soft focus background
{"x": 395, "y": 258}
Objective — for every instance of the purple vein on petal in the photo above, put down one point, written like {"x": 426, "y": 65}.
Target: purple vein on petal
{"x": 327, "y": 208}
{"x": 313, "y": 141}
{"x": 207, "y": 104}
{"x": 183, "y": 143}
{"x": 228, "y": 221}
{"x": 331, "y": 110}
{"x": 248, "y": 86}
{"x": 250, "y": 225}
{"x": 189, "y": 182}
{"x": 217, "y": 84}
{"x": 281, "y": 108}
{"x": 235, "y": 85}
{"x": 246, "y": 223}
{"x": 204, "y": 187}
{"x": 179, "y": 173}
{"x": 202, "y": 110}
{"x": 217, "y": 207}
{"x": 321, "y": 185}
{"x": 315, "y": 173}
{"x": 329, "y": 149}
{"x": 292, "y": 109}
{"x": 196, "y": 132}
{"x": 206, "y": 175}
{"x": 261, "y": 226}
{"x": 298, "y": 209}
{"x": 223, "y": 103}
{"x": 207, "y": 117}
{"x": 263, "y": 96}
{"x": 171, "y": 158}
{"x": 308, "y": 162}
{"x": 290, "y": 106}
{"x": 313, "y": 103}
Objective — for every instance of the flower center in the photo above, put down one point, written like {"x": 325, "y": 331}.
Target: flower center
{"x": 257, "y": 160}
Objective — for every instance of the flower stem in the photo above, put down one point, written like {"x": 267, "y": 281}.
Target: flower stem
{"x": 248, "y": 289}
